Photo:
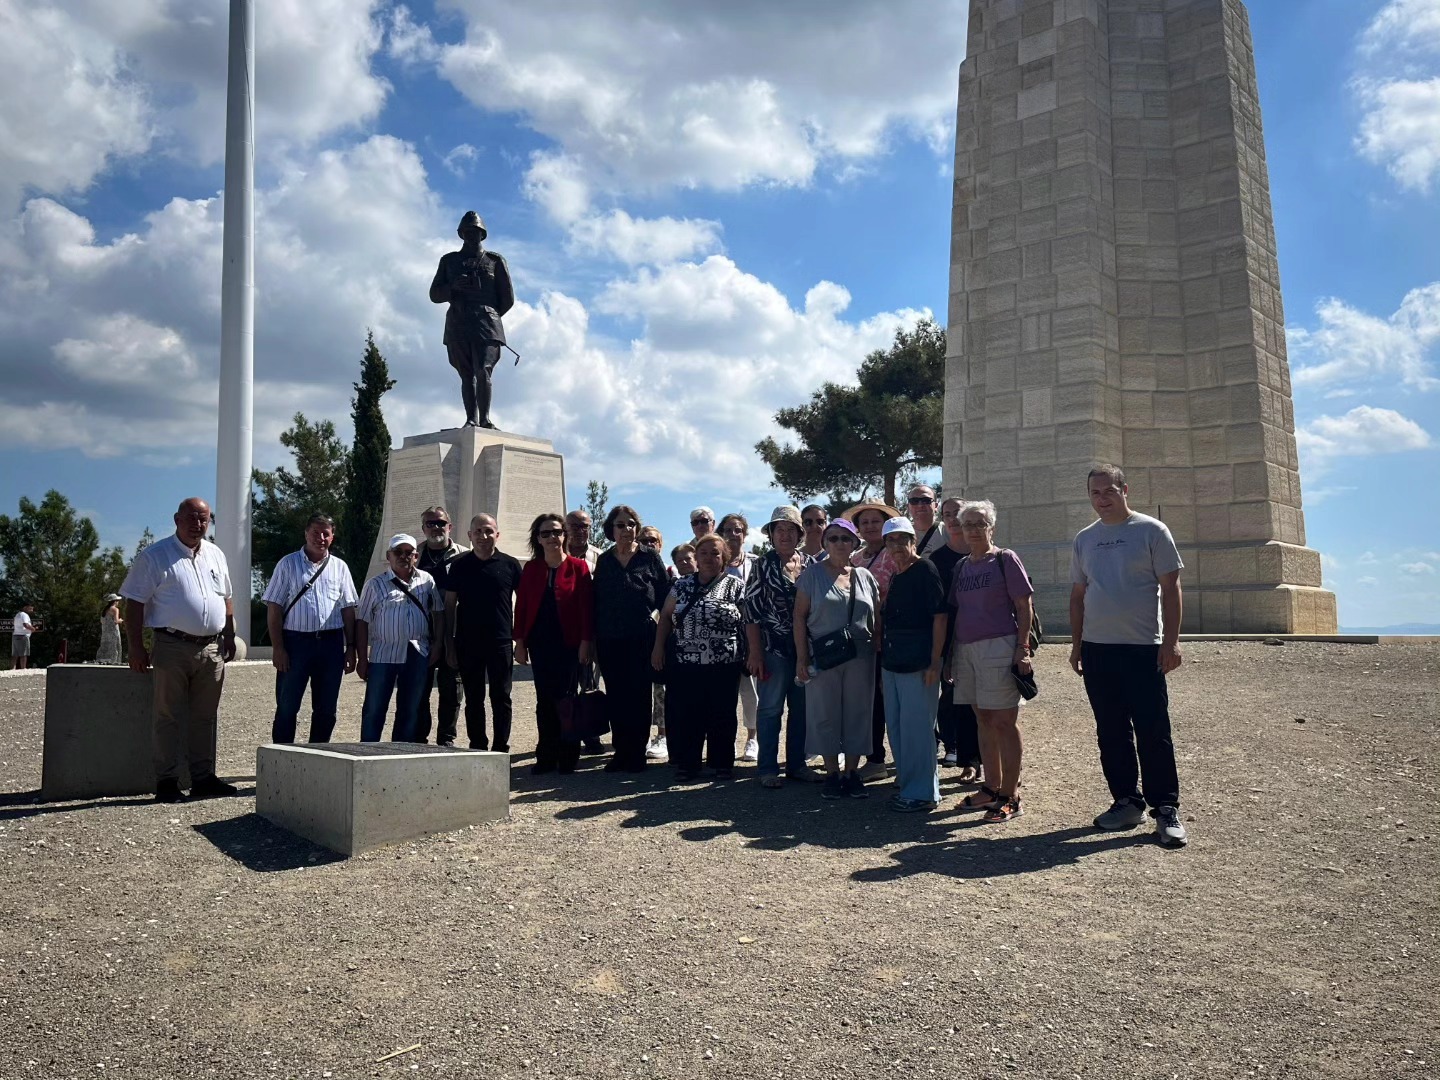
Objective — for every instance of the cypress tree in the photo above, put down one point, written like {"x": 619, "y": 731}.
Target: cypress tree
{"x": 369, "y": 460}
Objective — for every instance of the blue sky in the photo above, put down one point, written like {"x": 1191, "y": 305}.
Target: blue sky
{"x": 707, "y": 210}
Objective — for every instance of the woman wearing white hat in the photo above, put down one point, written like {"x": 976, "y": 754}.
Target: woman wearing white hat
{"x": 110, "y": 623}
{"x": 770, "y": 630}
{"x": 914, "y": 621}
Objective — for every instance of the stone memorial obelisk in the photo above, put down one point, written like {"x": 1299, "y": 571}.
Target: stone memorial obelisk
{"x": 1115, "y": 296}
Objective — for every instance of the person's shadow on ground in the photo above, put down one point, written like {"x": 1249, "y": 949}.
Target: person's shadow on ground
{"x": 948, "y": 841}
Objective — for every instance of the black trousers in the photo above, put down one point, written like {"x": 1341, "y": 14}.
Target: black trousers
{"x": 1132, "y": 721}
{"x": 556, "y": 668}
{"x": 625, "y": 665}
{"x": 958, "y": 729}
{"x": 490, "y": 662}
{"x": 448, "y": 679}
{"x": 700, "y": 703}
{"x": 877, "y": 718}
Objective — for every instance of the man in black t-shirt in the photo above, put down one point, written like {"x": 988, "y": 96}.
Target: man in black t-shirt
{"x": 434, "y": 556}
{"x": 957, "y": 725}
{"x": 479, "y": 620}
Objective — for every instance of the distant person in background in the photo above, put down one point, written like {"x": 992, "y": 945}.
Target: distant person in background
{"x": 683, "y": 558}
{"x": 770, "y": 656}
{"x": 702, "y": 521}
{"x": 704, "y": 613}
{"x": 929, "y": 534}
{"x": 813, "y": 519}
{"x": 577, "y": 538}
{"x": 397, "y": 642}
{"x": 110, "y": 623}
{"x": 437, "y": 552}
{"x": 734, "y": 528}
{"x": 832, "y": 596}
{"x": 479, "y": 631}
{"x": 23, "y": 627}
{"x": 1125, "y": 612}
{"x": 652, "y": 540}
{"x": 310, "y": 604}
{"x": 869, "y": 520}
{"x": 554, "y": 634}
{"x": 630, "y": 586}
{"x": 957, "y": 725}
{"x": 180, "y": 587}
{"x": 992, "y": 597}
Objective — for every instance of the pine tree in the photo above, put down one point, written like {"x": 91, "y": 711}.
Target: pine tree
{"x": 369, "y": 462}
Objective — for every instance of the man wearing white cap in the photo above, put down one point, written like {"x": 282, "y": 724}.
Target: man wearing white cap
{"x": 397, "y": 641}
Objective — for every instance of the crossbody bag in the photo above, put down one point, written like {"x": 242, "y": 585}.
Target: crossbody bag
{"x": 304, "y": 589}
{"x": 838, "y": 646}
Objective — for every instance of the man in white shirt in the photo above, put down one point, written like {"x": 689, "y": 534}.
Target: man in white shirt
{"x": 397, "y": 641}
{"x": 310, "y": 613}
{"x": 1125, "y": 610}
{"x": 24, "y": 626}
{"x": 180, "y": 588}
{"x": 577, "y": 538}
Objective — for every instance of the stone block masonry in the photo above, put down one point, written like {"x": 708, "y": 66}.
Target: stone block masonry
{"x": 1115, "y": 295}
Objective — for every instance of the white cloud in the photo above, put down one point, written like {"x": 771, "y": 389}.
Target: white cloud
{"x": 557, "y": 183}
{"x": 1367, "y": 581}
{"x": 1398, "y": 89}
{"x": 645, "y": 240}
{"x": 1363, "y": 431}
{"x": 460, "y": 158}
{"x": 1416, "y": 569}
{"x": 1352, "y": 346}
{"x": 650, "y": 96}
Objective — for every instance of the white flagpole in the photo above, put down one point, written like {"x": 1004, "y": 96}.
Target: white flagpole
{"x": 233, "y": 448}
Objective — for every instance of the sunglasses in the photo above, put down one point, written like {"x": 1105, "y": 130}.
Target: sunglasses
{"x": 406, "y": 555}
{"x": 548, "y": 534}
{"x": 919, "y": 500}
{"x": 436, "y": 524}
{"x": 626, "y": 525}
{"x": 840, "y": 538}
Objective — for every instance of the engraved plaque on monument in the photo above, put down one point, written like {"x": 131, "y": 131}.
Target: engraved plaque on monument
{"x": 1115, "y": 296}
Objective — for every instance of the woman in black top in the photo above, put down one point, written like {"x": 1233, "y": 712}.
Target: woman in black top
{"x": 630, "y": 585}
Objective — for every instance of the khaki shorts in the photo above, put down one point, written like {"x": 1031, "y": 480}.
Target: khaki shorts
{"x": 982, "y": 674}
{"x": 20, "y": 645}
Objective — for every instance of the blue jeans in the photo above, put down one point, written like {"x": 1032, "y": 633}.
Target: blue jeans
{"x": 776, "y": 692}
{"x": 317, "y": 660}
{"x": 408, "y": 681}
{"x": 910, "y": 708}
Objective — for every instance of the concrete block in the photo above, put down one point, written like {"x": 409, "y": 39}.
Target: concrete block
{"x": 98, "y": 733}
{"x": 350, "y": 797}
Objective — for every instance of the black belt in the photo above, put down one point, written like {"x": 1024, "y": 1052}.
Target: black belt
{"x": 208, "y": 639}
{"x": 316, "y": 633}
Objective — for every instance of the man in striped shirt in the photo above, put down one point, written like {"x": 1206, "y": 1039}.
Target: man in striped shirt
{"x": 397, "y": 642}
{"x": 310, "y": 613}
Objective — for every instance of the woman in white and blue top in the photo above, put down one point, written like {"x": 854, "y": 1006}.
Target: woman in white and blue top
{"x": 397, "y": 642}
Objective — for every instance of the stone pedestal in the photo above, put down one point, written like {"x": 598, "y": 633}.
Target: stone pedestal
{"x": 1115, "y": 296}
{"x": 349, "y": 797}
{"x": 471, "y": 471}
{"x": 98, "y": 733}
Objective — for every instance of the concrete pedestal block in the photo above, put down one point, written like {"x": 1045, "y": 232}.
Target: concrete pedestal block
{"x": 350, "y": 797}
{"x": 98, "y": 732}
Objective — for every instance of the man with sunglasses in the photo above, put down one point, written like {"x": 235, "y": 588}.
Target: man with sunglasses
{"x": 577, "y": 538}
{"x": 813, "y": 520}
{"x": 702, "y": 521}
{"x": 434, "y": 557}
{"x": 930, "y": 535}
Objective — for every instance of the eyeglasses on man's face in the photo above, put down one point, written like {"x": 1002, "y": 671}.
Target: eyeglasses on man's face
{"x": 404, "y": 554}
{"x": 436, "y": 524}
{"x": 974, "y": 524}
{"x": 920, "y": 500}
{"x": 550, "y": 534}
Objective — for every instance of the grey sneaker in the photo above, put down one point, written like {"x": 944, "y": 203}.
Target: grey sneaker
{"x": 1125, "y": 814}
{"x": 834, "y": 787}
{"x": 1169, "y": 831}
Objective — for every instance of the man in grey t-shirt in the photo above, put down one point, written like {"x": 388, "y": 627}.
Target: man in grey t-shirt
{"x": 1125, "y": 609}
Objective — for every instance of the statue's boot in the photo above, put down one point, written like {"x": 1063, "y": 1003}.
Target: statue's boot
{"x": 482, "y": 394}
{"x": 467, "y": 395}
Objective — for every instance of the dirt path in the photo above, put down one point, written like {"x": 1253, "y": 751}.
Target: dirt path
{"x": 614, "y": 928}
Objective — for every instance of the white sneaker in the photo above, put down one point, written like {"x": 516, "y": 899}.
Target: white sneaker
{"x": 752, "y": 750}
{"x": 657, "y": 750}
{"x": 951, "y": 758}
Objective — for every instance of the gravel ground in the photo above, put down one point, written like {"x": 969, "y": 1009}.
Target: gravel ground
{"x": 614, "y": 928}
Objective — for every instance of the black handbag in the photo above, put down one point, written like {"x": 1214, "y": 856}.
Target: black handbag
{"x": 838, "y": 646}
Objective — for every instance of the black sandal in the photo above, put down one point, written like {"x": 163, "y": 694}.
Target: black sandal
{"x": 983, "y": 799}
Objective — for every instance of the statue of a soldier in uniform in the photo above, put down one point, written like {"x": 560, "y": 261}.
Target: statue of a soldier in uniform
{"x": 476, "y": 285}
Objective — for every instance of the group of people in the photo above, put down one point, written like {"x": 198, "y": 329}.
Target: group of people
{"x": 914, "y": 626}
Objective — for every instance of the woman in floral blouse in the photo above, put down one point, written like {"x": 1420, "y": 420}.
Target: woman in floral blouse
{"x": 704, "y": 614}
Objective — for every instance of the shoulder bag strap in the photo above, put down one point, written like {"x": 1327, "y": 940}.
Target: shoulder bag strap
{"x": 928, "y": 534}
{"x": 680, "y": 612}
{"x": 305, "y": 588}
{"x": 410, "y": 596}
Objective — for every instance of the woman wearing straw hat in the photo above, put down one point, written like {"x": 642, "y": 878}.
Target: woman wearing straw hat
{"x": 836, "y": 610}
{"x": 110, "y": 623}
{"x": 770, "y": 630}
{"x": 869, "y": 519}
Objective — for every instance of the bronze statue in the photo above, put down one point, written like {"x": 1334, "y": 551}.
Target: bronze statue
{"x": 476, "y": 285}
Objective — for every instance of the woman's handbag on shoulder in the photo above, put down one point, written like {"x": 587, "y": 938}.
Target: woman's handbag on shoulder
{"x": 838, "y": 646}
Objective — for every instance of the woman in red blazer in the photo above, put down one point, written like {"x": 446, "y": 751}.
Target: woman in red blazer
{"x": 554, "y": 633}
